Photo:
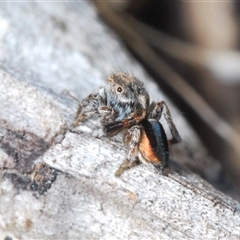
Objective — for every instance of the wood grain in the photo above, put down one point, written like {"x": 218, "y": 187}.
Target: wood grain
{"x": 59, "y": 47}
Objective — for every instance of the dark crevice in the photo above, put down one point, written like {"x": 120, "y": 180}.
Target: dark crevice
{"x": 23, "y": 148}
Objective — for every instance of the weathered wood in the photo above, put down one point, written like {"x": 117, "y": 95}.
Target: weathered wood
{"x": 59, "y": 47}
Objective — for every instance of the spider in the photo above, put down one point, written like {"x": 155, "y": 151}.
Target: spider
{"x": 124, "y": 105}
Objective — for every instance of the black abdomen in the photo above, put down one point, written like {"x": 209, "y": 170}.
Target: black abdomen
{"x": 157, "y": 139}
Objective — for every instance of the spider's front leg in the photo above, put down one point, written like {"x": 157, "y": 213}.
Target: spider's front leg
{"x": 162, "y": 108}
{"x": 132, "y": 138}
{"x": 94, "y": 105}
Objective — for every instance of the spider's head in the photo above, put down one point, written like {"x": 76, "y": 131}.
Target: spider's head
{"x": 127, "y": 96}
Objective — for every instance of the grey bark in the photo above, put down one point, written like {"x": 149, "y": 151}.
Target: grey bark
{"x": 46, "y": 50}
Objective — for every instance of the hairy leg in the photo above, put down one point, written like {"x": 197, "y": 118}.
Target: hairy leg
{"x": 160, "y": 109}
{"x": 132, "y": 138}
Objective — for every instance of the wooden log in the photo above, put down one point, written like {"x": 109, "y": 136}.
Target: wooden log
{"x": 65, "y": 47}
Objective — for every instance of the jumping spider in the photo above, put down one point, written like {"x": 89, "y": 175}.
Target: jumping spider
{"x": 124, "y": 105}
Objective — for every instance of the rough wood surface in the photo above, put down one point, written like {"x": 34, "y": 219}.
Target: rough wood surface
{"x": 47, "y": 49}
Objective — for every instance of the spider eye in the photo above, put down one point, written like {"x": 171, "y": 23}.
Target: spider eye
{"x": 119, "y": 89}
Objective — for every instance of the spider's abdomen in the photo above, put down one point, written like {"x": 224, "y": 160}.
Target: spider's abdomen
{"x": 153, "y": 145}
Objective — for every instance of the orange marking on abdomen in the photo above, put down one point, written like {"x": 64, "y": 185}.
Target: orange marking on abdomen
{"x": 146, "y": 150}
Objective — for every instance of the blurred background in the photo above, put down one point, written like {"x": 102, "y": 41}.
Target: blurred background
{"x": 191, "y": 48}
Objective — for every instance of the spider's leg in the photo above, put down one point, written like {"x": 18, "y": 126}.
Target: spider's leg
{"x": 91, "y": 106}
{"x": 113, "y": 128}
{"x": 160, "y": 109}
{"x": 132, "y": 138}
